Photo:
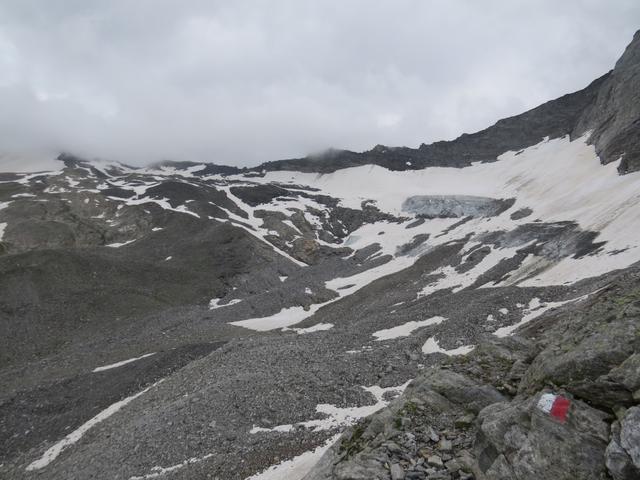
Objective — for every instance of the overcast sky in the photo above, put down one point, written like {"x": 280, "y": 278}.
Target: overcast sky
{"x": 244, "y": 82}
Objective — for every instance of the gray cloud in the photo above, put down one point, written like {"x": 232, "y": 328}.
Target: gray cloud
{"x": 244, "y": 82}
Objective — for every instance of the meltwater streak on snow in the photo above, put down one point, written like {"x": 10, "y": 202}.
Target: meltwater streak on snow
{"x": 405, "y": 329}
{"x": 297, "y": 467}
{"x": 558, "y": 179}
{"x": 123, "y": 362}
{"x": 432, "y": 346}
{"x": 52, "y": 453}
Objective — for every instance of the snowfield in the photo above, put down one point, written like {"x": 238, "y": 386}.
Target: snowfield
{"x": 560, "y": 180}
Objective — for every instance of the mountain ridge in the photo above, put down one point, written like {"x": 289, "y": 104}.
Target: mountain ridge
{"x": 191, "y": 321}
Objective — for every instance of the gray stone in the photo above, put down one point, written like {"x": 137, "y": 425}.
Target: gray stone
{"x": 396, "y": 471}
{"x": 630, "y": 434}
{"x": 617, "y": 460}
{"x": 538, "y": 445}
{"x": 464, "y": 421}
{"x": 444, "y": 445}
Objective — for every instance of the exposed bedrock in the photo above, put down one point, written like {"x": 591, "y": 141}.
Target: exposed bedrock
{"x": 455, "y": 206}
{"x": 614, "y": 116}
{"x": 559, "y": 400}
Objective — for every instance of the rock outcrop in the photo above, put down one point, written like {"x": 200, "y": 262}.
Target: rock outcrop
{"x": 558, "y": 400}
{"x": 614, "y": 116}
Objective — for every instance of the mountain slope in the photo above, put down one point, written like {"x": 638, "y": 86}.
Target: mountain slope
{"x": 191, "y": 321}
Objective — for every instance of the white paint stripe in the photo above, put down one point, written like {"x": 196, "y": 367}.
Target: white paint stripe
{"x": 546, "y": 402}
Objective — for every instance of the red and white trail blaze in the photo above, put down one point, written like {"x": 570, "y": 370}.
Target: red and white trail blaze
{"x": 555, "y": 406}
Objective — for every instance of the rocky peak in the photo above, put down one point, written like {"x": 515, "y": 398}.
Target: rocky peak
{"x": 614, "y": 116}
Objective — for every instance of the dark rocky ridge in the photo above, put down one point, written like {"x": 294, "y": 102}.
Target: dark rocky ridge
{"x": 609, "y": 107}
{"x": 614, "y": 116}
{"x": 554, "y": 119}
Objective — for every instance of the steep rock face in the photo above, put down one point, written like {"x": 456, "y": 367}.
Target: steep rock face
{"x": 614, "y": 116}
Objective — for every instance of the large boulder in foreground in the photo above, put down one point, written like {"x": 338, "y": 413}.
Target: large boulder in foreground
{"x": 522, "y": 440}
{"x": 557, "y": 401}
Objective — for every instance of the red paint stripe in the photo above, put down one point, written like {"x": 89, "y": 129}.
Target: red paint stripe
{"x": 560, "y": 408}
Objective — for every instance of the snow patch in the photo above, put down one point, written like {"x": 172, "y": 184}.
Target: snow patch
{"x": 52, "y": 453}
{"x": 406, "y": 329}
{"x": 213, "y": 303}
{"x": 297, "y": 467}
{"x": 121, "y": 244}
{"x": 534, "y": 310}
{"x": 432, "y": 346}
{"x": 123, "y": 362}
{"x": 340, "y": 416}
{"x": 284, "y": 318}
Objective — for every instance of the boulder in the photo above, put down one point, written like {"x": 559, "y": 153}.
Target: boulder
{"x": 521, "y": 440}
{"x": 630, "y": 434}
{"x": 618, "y": 461}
